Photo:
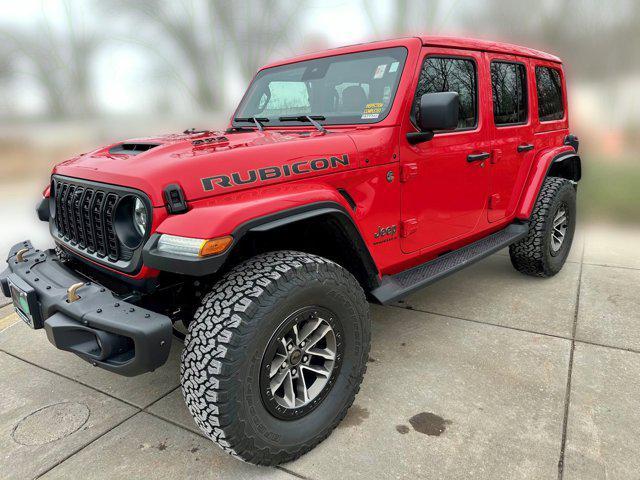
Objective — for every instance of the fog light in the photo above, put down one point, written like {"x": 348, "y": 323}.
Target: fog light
{"x": 193, "y": 247}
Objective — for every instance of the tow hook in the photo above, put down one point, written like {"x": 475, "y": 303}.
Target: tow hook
{"x": 20, "y": 254}
{"x": 72, "y": 296}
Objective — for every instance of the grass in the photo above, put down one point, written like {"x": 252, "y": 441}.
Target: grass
{"x": 610, "y": 190}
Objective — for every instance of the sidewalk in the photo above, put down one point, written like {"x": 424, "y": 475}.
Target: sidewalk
{"x": 488, "y": 374}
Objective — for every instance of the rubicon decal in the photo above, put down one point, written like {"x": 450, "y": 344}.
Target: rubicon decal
{"x": 271, "y": 173}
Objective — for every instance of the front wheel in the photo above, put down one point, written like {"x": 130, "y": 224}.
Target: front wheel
{"x": 275, "y": 355}
{"x": 544, "y": 250}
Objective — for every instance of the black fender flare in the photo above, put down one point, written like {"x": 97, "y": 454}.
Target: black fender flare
{"x": 566, "y": 165}
{"x": 199, "y": 267}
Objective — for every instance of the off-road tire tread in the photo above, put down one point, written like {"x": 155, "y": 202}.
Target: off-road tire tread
{"x": 215, "y": 346}
{"x": 528, "y": 255}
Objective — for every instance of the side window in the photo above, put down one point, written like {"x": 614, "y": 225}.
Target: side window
{"x": 550, "y": 101}
{"x": 509, "y": 87}
{"x": 440, "y": 74}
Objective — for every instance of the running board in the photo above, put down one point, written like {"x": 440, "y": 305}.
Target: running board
{"x": 394, "y": 287}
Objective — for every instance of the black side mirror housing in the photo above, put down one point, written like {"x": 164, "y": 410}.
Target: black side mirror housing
{"x": 438, "y": 111}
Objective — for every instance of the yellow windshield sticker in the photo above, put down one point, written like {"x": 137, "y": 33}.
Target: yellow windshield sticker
{"x": 372, "y": 110}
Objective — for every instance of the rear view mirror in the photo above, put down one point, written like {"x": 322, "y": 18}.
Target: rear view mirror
{"x": 438, "y": 111}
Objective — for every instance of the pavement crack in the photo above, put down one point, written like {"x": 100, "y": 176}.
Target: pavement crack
{"x": 144, "y": 409}
{"x": 567, "y": 398}
{"x": 482, "y": 322}
{"x": 523, "y": 330}
{"x": 176, "y": 424}
{"x": 71, "y": 379}
{"x": 79, "y": 449}
{"x": 610, "y": 266}
{"x": 290, "y": 472}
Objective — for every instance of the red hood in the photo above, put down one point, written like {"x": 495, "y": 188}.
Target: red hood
{"x": 189, "y": 159}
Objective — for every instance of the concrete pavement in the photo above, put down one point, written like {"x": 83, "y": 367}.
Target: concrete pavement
{"x": 487, "y": 374}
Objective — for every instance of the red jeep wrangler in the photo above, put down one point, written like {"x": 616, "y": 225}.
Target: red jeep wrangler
{"x": 357, "y": 174}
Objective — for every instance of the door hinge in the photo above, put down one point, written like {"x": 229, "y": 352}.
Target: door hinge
{"x": 494, "y": 201}
{"x": 408, "y": 227}
{"x": 407, "y": 171}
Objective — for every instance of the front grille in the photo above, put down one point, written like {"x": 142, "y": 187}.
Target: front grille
{"x": 84, "y": 219}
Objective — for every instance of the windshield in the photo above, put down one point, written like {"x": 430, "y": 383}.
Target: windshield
{"x": 343, "y": 89}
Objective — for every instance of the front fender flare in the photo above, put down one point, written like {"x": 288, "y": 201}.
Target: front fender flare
{"x": 198, "y": 267}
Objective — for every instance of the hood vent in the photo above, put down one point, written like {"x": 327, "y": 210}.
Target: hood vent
{"x": 132, "y": 148}
{"x": 210, "y": 140}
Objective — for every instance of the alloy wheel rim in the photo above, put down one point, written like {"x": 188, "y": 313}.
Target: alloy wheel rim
{"x": 301, "y": 362}
{"x": 559, "y": 228}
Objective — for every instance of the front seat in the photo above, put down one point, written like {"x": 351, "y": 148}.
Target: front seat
{"x": 354, "y": 99}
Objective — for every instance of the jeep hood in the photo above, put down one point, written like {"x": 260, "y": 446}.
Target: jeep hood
{"x": 211, "y": 163}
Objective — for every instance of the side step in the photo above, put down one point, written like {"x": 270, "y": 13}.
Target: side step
{"x": 394, "y": 287}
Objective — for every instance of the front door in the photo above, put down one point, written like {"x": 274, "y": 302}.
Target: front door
{"x": 444, "y": 180}
{"x": 511, "y": 128}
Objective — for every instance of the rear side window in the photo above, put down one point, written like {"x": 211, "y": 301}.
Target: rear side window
{"x": 509, "y": 87}
{"x": 550, "y": 101}
{"x": 440, "y": 74}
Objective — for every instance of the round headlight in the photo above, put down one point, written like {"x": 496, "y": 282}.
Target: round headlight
{"x": 140, "y": 219}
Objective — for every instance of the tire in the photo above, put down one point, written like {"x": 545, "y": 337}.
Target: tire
{"x": 538, "y": 254}
{"x": 227, "y": 346}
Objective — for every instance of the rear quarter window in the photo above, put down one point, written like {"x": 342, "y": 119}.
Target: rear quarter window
{"x": 550, "y": 94}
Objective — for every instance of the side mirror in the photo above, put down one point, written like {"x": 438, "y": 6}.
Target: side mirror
{"x": 438, "y": 111}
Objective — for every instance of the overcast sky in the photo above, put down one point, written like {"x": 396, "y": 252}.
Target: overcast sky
{"x": 121, "y": 70}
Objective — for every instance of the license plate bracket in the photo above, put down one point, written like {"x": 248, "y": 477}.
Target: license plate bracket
{"x": 25, "y": 301}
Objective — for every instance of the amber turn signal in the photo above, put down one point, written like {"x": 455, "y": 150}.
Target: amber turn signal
{"x": 215, "y": 246}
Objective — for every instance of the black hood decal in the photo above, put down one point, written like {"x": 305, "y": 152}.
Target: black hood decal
{"x": 271, "y": 173}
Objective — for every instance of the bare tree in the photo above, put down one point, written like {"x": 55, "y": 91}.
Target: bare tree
{"x": 59, "y": 61}
{"x": 6, "y": 75}
{"x": 208, "y": 36}
{"x": 408, "y": 16}
{"x": 254, "y": 30}
{"x": 594, "y": 36}
{"x": 182, "y": 27}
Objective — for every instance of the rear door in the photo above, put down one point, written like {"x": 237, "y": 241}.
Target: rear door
{"x": 444, "y": 190}
{"x": 513, "y": 145}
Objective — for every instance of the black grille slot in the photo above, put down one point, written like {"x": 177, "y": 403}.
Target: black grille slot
{"x": 85, "y": 214}
{"x": 85, "y": 219}
{"x": 112, "y": 240}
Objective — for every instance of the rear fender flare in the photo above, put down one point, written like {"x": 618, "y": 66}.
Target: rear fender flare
{"x": 561, "y": 162}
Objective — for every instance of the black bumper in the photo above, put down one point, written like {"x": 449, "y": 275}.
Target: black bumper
{"x": 99, "y": 328}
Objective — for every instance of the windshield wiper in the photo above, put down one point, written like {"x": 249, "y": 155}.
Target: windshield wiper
{"x": 257, "y": 120}
{"x": 307, "y": 118}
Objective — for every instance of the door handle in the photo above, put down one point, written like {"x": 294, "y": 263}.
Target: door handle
{"x": 525, "y": 147}
{"x": 478, "y": 157}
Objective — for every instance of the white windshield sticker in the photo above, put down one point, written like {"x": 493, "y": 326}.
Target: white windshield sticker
{"x": 380, "y": 71}
{"x": 394, "y": 67}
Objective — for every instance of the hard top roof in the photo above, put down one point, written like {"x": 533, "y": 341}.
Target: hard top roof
{"x": 488, "y": 46}
{"x": 429, "y": 40}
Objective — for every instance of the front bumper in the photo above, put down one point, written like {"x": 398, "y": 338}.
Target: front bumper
{"x": 98, "y": 327}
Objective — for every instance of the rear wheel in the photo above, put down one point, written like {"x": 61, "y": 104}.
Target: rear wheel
{"x": 544, "y": 250}
{"x": 275, "y": 355}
